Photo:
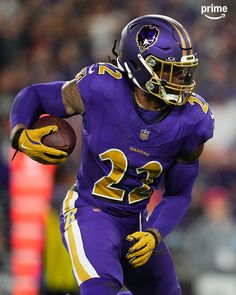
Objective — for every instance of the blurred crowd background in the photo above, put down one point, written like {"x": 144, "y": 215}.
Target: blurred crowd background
{"x": 47, "y": 40}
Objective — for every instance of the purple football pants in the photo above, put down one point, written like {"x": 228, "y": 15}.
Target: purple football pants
{"x": 97, "y": 247}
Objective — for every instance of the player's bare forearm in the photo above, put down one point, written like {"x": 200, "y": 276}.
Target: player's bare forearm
{"x": 71, "y": 98}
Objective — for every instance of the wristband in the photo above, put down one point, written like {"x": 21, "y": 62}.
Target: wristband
{"x": 15, "y": 140}
{"x": 156, "y": 235}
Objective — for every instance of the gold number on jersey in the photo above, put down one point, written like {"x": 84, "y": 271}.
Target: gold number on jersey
{"x": 104, "y": 186}
{"x": 203, "y": 105}
{"x": 153, "y": 169}
{"x": 104, "y": 69}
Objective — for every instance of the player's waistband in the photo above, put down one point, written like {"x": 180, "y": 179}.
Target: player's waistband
{"x": 110, "y": 210}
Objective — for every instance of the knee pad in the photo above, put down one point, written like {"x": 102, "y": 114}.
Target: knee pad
{"x": 100, "y": 286}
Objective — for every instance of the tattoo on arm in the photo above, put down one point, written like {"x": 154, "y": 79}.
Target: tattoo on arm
{"x": 71, "y": 98}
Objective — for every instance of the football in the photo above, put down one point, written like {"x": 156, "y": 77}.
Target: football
{"x": 64, "y": 139}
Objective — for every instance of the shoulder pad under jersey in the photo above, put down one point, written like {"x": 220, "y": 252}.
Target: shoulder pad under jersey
{"x": 98, "y": 82}
{"x": 197, "y": 123}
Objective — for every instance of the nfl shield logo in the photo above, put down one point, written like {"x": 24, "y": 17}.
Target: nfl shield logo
{"x": 144, "y": 134}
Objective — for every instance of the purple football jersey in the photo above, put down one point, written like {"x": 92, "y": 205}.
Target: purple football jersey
{"x": 123, "y": 156}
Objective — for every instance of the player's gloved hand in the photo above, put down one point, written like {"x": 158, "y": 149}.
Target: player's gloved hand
{"x": 142, "y": 250}
{"x": 29, "y": 142}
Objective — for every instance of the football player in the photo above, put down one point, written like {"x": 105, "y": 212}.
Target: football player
{"x": 142, "y": 123}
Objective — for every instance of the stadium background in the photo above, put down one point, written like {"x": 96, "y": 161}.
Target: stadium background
{"x": 46, "y": 40}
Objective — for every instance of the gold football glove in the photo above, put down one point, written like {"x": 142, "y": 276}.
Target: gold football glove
{"x": 142, "y": 250}
{"x": 29, "y": 142}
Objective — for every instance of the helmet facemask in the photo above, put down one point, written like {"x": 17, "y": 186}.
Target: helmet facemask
{"x": 164, "y": 75}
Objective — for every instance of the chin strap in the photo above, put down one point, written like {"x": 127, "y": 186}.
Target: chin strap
{"x": 171, "y": 98}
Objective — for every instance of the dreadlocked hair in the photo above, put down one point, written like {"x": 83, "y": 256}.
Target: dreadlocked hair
{"x": 113, "y": 60}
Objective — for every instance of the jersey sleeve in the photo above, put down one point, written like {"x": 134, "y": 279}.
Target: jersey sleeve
{"x": 199, "y": 125}
{"x": 37, "y": 99}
